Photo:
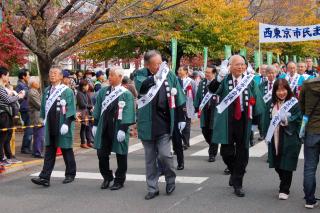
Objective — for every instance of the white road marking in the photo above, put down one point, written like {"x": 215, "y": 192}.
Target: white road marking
{"x": 129, "y": 177}
{"x": 258, "y": 150}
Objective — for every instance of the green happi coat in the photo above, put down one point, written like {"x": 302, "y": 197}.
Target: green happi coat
{"x": 289, "y": 140}
{"x": 65, "y": 141}
{"x": 128, "y": 118}
{"x": 221, "y": 120}
{"x": 201, "y": 92}
{"x": 144, "y": 114}
{"x": 265, "y": 115}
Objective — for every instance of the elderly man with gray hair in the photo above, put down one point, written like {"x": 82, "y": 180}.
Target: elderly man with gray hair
{"x": 160, "y": 106}
{"x": 58, "y": 110}
{"x": 34, "y": 102}
{"x": 240, "y": 101}
{"x": 113, "y": 113}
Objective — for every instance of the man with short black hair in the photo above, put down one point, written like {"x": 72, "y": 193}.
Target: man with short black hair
{"x": 310, "y": 69}
{"x": 24, "y": 77}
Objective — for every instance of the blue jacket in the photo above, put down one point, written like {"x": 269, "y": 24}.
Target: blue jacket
{"x": 24, "y": 102}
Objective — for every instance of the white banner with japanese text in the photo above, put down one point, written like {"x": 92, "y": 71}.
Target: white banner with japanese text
{"x": 274, "y": 33}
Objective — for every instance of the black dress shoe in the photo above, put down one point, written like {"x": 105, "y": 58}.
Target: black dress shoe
{"x": 212, "y": 159}
{"x": 239, "y": 192}
{"x": 116, "y": 186}
{"x": 151, "y": 195}
{"x": 170, "y": 188}
{"x": 227, "y": 171}
{"x": 105, "y": 184}
{"x": 184, "y": 147}
{"x": 68, "y": 179}
{"x": 41, "y": 181}
{"x": 180, "y": 167}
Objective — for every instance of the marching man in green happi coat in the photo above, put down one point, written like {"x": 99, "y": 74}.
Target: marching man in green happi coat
{"x": 113, "y": 114}
{"x": 58, "y": 110}
{"x": 240, "y": 100}
{"x": 161, "y": 101}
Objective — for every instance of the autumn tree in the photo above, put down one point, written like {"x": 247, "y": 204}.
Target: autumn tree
{"x": 50, "y": 27}
{"x": 12, "y": 52}
{"x": 197, "y": 23}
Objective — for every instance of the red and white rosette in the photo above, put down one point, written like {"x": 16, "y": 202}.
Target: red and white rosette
{"x": 172, "y": 101}
{"x": 189, "y": 91}
{"x": 121, "y": 105}
{"x": 63, "y": 106}
{"x": 252, "y": 102}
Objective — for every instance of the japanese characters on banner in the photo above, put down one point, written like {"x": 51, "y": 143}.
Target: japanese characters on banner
{"x": 274, "y": 33}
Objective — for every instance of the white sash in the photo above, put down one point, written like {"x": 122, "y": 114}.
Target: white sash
{"x": 111, "y": 97}
{"x": 186, "y": 83}
{"x": 52, "y": 98}
{"x": 205, "y": 100}
{"x": 235, "y": 93}
{"x": 160, "y": 78}
{"x": 294, "y": 83}
{"x": 306, "y": 76}
{"x": 267, "y": 96}
{"x": 276, "y": 119}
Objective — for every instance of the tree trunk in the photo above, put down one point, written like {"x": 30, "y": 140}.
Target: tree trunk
{"x": 44, "y": 66}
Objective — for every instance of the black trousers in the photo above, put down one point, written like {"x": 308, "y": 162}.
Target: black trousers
{"x": 285, "y": 180}
{"x": 5, "y": 136}
{"x": 104, "y": 166}
{"x": 186, "y": 132}
{"x": 236, "y": 154}
{"x": 86, "y": 134}
{"x": 213, "y": 148}
{"x": 177, "y": 144}
{"x": 50, "y": 159}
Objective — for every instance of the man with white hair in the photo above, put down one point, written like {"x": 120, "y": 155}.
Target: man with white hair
{"x": 294, "y": 79}
{"x": 113, "y": 113}
{"x": 302, "y": 68}
{"x": 58, "y": 110}
{"x": 240, "y": 100}
{"x": 34, "y": 102}
{"x": 160, "y": 105}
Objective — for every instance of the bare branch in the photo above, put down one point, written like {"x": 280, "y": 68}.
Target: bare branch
{"x": 60, "y": 16}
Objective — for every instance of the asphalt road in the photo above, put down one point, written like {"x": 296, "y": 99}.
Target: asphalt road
{"x": 201, "y": 187}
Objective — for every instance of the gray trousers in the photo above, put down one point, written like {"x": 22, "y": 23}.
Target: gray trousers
{"x": 158, "y": 149}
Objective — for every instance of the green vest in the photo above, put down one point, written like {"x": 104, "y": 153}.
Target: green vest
{"x": 64, "y": 141}
{"x": 221, "y": 120}
{"x": 144, "y": 114}
{"x": 289, "y": 139}
{"x": 128, "y": 117}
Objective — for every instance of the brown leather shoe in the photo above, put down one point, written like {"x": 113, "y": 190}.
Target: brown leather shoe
{"x": 84, "y": 146}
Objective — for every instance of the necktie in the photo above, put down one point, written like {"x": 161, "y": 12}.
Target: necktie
{"x": 270, "y": 86}
{"x": 237, "y": 106}
{"x": 53, "y": 88}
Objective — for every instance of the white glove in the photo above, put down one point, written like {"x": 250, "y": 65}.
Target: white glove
{"x": 121, "y": 136}
{"x": 94, "y": 130}
{"x": 64, "y": 129}
{"x": 181, "y": 126}
{"x": 224, "y": 70}
{"x": 284, "y": 117}
{"x": 250, "y": 70}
